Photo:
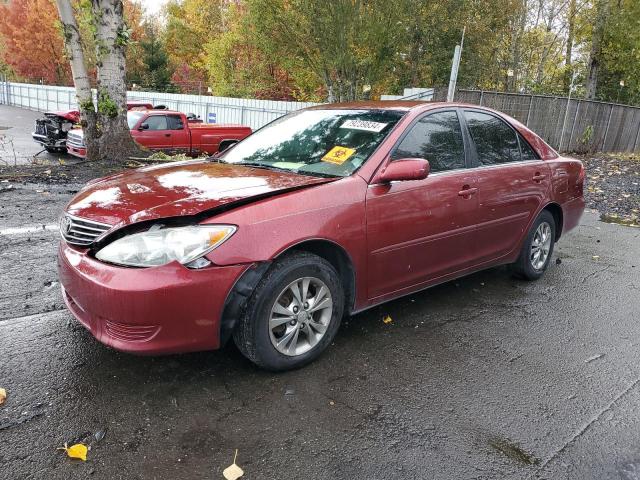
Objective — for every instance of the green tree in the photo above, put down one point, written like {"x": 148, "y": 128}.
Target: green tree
{"x": 343, "y": 44}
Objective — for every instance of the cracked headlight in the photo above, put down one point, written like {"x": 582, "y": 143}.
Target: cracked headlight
{"x": 159, "y": 247}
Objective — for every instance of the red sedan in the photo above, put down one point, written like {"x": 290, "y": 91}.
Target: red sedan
{"x": 323, "y": 213}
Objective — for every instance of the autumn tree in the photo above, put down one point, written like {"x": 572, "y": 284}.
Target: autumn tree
{"x": 107, "y": 134}
{"x": 32, "y": 44}
{"x": 190, "y": 25}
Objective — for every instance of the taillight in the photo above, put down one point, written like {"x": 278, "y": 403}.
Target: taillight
{"x": 580, "y": 181}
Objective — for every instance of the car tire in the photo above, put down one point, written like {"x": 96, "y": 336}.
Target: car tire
{"x": 261, "y": 334}
{"x": 537, "y": 248}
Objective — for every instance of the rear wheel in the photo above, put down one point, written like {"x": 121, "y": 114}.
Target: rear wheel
{"x": 293, "y": 314}
{"x": 537, "y": 248}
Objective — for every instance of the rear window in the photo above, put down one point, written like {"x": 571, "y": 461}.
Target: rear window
{"x": 133, "y": 118}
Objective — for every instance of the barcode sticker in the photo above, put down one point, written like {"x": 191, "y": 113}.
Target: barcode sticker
{"x": 364, "y": 125}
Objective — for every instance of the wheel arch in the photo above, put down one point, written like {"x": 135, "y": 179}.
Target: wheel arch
{"x": 333, "y": 253}
{"x": 338, "y": 257}
{"x": 558, "y": 215}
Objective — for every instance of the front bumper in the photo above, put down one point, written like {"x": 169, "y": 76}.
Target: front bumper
{"x": 47, "y": 141}
{"x": 76, "y": 151}
{"x": 159, "y": 310}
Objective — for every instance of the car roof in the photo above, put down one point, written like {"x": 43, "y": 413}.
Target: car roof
{"x": 165, "y": 112}
{"x": 403, "y": 105}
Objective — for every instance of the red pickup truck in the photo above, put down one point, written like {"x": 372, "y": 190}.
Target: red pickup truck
{"x": 170, "y": 132}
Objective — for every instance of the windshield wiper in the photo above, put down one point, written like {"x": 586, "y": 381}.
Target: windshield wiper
{"x": 271, "y": 167}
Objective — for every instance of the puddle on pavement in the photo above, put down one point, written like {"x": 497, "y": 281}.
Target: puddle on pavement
{"x": 628, "y": 222}
{"x": 513, "y": 451}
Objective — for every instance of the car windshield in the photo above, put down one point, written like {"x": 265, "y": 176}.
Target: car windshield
{"x": 133, "y": 117}
{"x": 316, "y": 142}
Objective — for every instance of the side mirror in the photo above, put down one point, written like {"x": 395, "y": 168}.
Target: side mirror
{"x": 144, "y": 126}
{"x": 226, "y": 144}
{"x": 405, "y": 169}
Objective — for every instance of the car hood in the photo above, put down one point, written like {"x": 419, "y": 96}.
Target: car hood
{"x": 179, "y": 189}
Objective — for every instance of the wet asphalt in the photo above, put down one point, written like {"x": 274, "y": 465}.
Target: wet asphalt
{"x": 486, "y": 377}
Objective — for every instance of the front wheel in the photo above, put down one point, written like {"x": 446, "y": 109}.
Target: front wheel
{"x": 293, "y": 314}
{"x": 537, "y": 248}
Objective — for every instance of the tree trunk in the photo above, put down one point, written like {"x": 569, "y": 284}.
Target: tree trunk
{"x": 568, "y": 61}
{"x": 115, "y": 141}
{"x": 602, "y": 12}
{"x": 81, "y": 81}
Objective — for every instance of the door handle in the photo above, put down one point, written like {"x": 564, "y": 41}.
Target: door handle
{"x": 538, "y": 177}
{"x": 167, "y": 134}
{"x": 467, "y": 192}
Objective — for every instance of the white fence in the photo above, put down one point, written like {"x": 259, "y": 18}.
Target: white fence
{"x": 251, "y": 112}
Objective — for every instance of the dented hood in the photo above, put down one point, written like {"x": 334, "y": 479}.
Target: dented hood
{"x": 178, "y": 189}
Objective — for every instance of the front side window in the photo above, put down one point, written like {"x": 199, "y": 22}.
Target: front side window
{"x": 495, "y": 141}
{"x": 330, "y": 142}
{"x": 436, "y": 138}
{"x": 157, "y": 122}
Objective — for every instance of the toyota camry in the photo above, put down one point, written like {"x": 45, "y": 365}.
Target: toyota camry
{"x": 323, "y": 213}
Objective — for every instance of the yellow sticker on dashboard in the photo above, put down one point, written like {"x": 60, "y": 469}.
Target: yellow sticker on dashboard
{"x": 338, "y": 155}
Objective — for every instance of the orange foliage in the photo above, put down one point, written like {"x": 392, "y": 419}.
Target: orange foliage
{"x": 33, "y": 40}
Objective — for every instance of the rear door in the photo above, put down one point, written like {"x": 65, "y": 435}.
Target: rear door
{"x": 512, "y": 183}
{"x": 154, "y": 133}
{"x": 420, "y": 230}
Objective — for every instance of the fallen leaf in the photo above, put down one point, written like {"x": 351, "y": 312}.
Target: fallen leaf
{"x": 595, "y": 357}
{"x": 78, "y": 450}
{"x": 387, "y": 319}
{"x": 233, "y": 471}
{"x": 3, "y": 395}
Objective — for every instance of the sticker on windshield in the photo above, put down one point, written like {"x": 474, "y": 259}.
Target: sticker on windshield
{"x": 364, "y": 125}
{"x": 338, "y": 155}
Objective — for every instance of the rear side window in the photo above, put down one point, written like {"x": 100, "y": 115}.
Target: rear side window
{"x": 157, "y": 122}
{"x": 528, "y": 153}
{"x": 496, "y": 142}
{"x": 437, "y": 138}
{"x": 175, "y": 122}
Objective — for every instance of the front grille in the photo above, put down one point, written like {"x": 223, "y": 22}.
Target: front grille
{"x": 79, "y": 231}
{"x": 75, "y": 140}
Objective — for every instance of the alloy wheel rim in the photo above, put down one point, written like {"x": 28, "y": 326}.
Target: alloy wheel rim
{"x": 300, "y": 316}
{"x": 540, "y": 246}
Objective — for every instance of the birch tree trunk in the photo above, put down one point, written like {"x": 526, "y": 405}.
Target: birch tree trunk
{"x": 112, "y": 36}
{"x": 106, "y": 133}
{"x": 81, "y": 80}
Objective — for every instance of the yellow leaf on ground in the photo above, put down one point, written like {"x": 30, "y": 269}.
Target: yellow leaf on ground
{"x": 77, "y": 451}
{"x": 387, "y": 319}
{"x": 233, "y": 471}
{"x": 3, "y": 395}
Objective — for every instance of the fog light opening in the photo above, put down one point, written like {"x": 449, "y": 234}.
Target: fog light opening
{"x": 198, "y": 263}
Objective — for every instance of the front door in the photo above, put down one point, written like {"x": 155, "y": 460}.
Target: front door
{"x": 154, "y": 133}
{"x": 421, "y": 230}
{"x": 512, "y": 184}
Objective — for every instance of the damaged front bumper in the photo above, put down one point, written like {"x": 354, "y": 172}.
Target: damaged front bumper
{"x": 158, "y": 310}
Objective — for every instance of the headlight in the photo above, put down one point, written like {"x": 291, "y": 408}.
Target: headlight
{"x": 162, "y": 246}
